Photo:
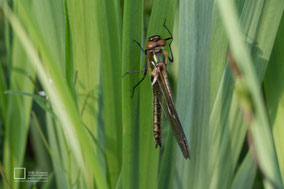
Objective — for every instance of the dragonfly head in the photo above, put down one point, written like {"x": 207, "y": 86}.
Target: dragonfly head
{"x": 155, "y": 42}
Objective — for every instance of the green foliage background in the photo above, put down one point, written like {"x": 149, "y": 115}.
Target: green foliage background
{"x": 89, "y": 133}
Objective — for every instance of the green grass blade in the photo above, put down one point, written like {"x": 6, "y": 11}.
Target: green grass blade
{"x": 3, "y": 98}
{"x": 85, "y": 53}
{"x": 34, "y": 96}
{"x": 259, "y": 127}
{"x": 97, "y": 136}
{"x": 274, "y": 92}
{"x": 162, "y": 10}
{"x": 59, "y": 94}
{"x": 60, "y": 155}
{"x": 245, "y": 175}
{"x": 109, "y": 23}
{"x": 168, "y": 164}
{"x": 18, "y": 111}
{"x": 228, "y": 128}
{"x": 193, "y": 101}
{"x": 4, "y": 176}
{"x": 38, "y": 99}
{"x": 40, "y": 144}
{"x": 69, "y": 63}
{"x": 85, "y": 59}
{"x": 41, "y": 134}
{"x": 218, "y": 53}
{"x": 132, "y": 30}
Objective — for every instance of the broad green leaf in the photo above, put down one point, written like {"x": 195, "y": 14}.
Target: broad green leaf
{"x": 168, "y": 163}
{"x": 244, "y": 178}
{"x": 274, "y": 93}
{"x": 39, "y": 143}
{"x": 193, "y": 100}
{"x": 84, "y": 58}
{"x": 3, "y": 98}
{"x": 18, "y": 111}
{"x": 163, "y": 10}
{"x": 60, "y": 155}
{"x": 218, "y": 50}
{"x": 132, "y": 29}
{"x": 228, "y": 128}
{"x": 109, "y": 24}
{"x": 260, "y": 130}
{"x": 60, "y": 96}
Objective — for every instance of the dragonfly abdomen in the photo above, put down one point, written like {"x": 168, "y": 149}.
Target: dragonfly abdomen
{"x": 157, "y": 118}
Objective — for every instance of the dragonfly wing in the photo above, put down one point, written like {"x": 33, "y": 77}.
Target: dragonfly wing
{"x": 169, "y": 108}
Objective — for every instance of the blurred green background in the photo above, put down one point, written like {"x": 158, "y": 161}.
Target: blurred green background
{"x": 65, "y": 110}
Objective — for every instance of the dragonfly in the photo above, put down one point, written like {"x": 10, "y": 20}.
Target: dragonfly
{"x": 156, "y": 63}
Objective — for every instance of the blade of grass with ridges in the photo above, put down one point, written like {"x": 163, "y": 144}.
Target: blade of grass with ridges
{"x": 109, "y": 24}
{"x": 193, "y": 100}
{"x": 261, "y": 133}
{"x": 218, "y": 50}
{"x": 84, "y": 31}
{"x": 228, "y": 128}
{"x": 50, "y": 21}
{"x": 18, "y": 110}
{"x": 274, "y": 93}
{"x": 8, "y": 49}
{"x": 163, "y": 10}
{"x": 221, "y": 96}
{"x": 39, "y": 144}
{"x": 60, "y": 96}
{"x": 60, "y": 155}
{"x": 132, "y": 30}
{"x": 85, "y": 52}
{"x": 3, "y": 97}
{"x": 221, "y": 83}
{"x": 244, "y": 177}
{"x": 69, "y": 63}
{"x": 167, "y": 164}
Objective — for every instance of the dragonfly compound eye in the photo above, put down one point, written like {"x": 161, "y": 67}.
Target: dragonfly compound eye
{"x": 151, "y": 45}
{"x": 161, "y": 42}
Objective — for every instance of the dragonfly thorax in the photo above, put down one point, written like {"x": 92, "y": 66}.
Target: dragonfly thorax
{"x": 158, "y": 57}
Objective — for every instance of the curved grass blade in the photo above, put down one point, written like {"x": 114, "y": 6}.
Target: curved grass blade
{"x": 59, "y": 94}
{"x": 227, "y": 126}
{"x": 245, "y": 175}
{"x": 34, "y": 96}
{"x": 17, "y": 108}
{"x": 260, "y": 130}
{"x": 274, "y": 93}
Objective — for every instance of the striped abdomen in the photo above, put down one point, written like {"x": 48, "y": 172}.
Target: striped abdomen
{"x": 157, "y": 117}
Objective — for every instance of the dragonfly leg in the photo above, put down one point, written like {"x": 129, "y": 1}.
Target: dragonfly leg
{"x": 145, "y": 72}
{"x": 132, "y": 72}
{"x": 169, "y": 38}
{"x": 144, "y": 51}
